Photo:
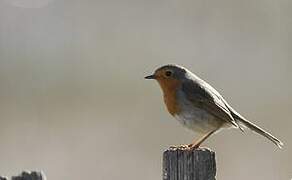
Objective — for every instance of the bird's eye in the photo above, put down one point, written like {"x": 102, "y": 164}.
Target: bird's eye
{"x": 168, "y": 73}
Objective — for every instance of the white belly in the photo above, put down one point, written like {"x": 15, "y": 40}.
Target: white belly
{"x": 196, "y": 119}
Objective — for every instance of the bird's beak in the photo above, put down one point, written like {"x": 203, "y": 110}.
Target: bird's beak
{"x": 150, "y": 77}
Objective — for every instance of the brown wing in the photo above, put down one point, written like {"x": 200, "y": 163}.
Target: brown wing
{"x": 203, "y": 96}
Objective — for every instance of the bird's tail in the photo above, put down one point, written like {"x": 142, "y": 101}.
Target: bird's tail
{"x": 260, "y": 131}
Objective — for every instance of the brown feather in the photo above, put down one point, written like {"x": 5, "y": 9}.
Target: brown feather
{"x": 169, "y": 88}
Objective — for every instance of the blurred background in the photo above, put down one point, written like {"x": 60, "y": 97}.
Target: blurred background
{"x": 73, "y": 101}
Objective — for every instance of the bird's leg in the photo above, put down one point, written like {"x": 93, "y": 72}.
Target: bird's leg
{"x": 197, "y": 143}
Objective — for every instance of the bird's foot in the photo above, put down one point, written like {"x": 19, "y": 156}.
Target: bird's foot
{"x": 194, "y": 146}
{"x": 184, "y": 147}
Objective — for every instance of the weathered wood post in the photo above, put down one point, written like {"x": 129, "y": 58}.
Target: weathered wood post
{"x": 26, "y": 175}
{"x": 186, "y": 164}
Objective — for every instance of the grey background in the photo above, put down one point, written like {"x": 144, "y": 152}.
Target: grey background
{"x": 73, "y": 101}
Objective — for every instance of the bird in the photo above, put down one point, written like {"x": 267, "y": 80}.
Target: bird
{"x": 198, "y": 106}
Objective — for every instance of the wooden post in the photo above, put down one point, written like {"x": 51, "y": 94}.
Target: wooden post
{"x": 186, "y": 164}
{"x": 25, "y": 175}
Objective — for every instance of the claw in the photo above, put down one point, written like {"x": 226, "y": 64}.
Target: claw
{"x": 193, "y": 146}
{"x": 182, "y": 147}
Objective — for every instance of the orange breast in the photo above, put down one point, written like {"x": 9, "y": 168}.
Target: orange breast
{"x": 169, "y": 88}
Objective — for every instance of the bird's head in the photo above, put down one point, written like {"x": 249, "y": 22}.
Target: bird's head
{"x": 169, "y": 76}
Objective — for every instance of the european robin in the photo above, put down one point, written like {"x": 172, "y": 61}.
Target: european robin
{"x": 198, "y": 106}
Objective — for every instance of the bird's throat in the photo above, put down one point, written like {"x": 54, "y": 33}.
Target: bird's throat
{"x": 170, "y": 95}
